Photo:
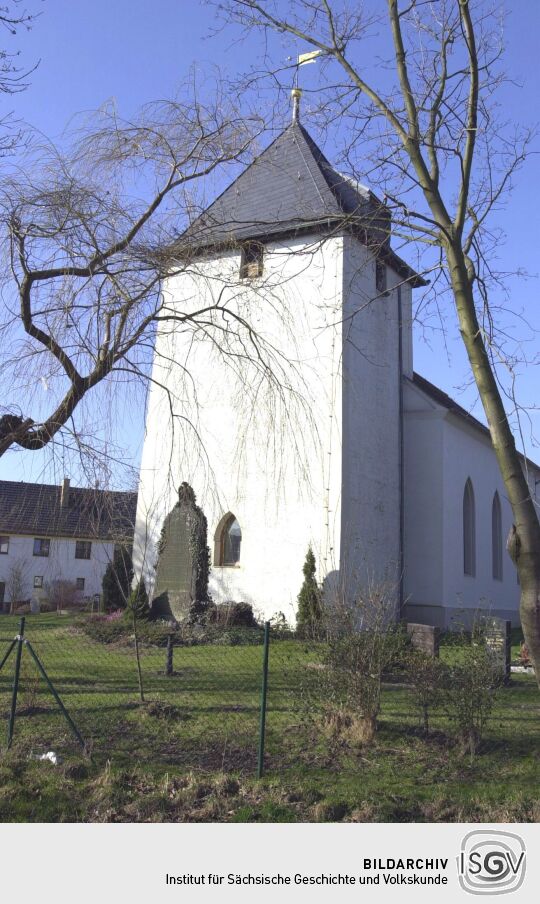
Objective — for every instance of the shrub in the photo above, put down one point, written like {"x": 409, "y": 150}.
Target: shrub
{"x": 117, "y": 580}
{"x": 309, "y": 613}
{"x": 138, "y": 601}
{"x": 232, "y": 615}
{"x": 118, "y": 627}
{"x": 47, "y": 605}
{"x": 364, "y": 642}
{"x": 425, "y": 678}
{"x": 354, "y": 666}
{"x": 104, "y": 630}
{"x": 469, "y": 686}
{"x": 30, "y": 683}
{"x": 62, "y": 594}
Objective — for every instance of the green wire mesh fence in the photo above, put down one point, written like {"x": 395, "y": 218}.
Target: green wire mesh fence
{"x": 197, "y": 703}
{"x": 193, "y": 698}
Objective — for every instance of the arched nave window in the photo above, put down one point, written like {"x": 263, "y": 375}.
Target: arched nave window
{"x": 469, "y": 530}
{"x": 496, "y": 539}
{"x": 227, "y": 541}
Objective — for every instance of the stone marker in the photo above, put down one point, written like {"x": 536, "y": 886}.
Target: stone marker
{"x": 497, "y": 635}
{"x": 424, "y": 638}
{"x": 182, "y": 568}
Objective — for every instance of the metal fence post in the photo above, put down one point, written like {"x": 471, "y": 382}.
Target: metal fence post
{"x": 54, "y": 692}
{"x": 16, "y": 682}
{"x": 264, "y": 687}
{"x": 169, "y": 670}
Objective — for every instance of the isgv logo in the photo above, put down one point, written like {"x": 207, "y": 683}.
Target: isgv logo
{"x": 491, "y": 862}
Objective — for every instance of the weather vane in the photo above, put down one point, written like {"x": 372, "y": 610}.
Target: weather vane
{"x": 296, "y": 92}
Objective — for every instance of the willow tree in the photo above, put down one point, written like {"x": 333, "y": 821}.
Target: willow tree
{"x": 15, "y": 19}
{"x": 423, "y": 118}
{"x": 85, "y": 230}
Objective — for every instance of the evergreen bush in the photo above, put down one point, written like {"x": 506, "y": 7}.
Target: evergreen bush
{"x": 117, "y": 580}
{"x": 309, "y": 613}
{"x": 138, "y": 601}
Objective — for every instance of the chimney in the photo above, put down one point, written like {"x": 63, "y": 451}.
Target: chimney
{"x": 64, "y": 493}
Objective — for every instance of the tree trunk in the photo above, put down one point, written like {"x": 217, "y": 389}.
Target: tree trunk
{"x": 138, "y": 657}
{"x": 526, "y": 554}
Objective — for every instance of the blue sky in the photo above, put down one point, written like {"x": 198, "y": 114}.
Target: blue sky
{"x": 135, "y": 51}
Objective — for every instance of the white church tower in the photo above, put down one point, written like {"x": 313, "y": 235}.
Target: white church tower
{"x": 281, "y": 402}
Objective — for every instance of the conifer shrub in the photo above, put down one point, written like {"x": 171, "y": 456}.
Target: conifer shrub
{"x": 310, "y": 612}
{"x": 138, "y": 601}
{"x": 117, "y": 580}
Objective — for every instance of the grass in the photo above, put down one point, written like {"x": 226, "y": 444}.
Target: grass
{"x": 189, "y": 752}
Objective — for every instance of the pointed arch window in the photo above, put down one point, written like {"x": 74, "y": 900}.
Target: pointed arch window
{"x": 469, "y": 530}
{"x": 227, "y": 541}
{"x": 496, "y": 539}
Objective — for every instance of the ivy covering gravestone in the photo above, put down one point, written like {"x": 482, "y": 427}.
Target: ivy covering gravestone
{"x": 183, "y": 566}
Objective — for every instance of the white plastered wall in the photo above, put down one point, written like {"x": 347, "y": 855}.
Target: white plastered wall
{"x": 423, "y": 503}
{"x": 442, "y": 451}
{"x": 469, "y": 454}
{"x": 267, "y": 451}
{"x": 60, "y": 564}
{"x": 371, "y": 416}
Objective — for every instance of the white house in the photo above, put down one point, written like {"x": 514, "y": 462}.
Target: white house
{"x": 332, "y": 441}
{"x": 58, "y": 533}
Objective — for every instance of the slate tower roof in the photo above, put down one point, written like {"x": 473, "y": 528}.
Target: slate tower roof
{"x": 291, "y": 189}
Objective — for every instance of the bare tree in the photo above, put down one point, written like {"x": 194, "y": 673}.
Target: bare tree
{"x": 62, "y": 594}
{"x": 86, "y": 239}
{"x": 425, "y": 117}
{"x": 16, "y": 584}
{"x": 14, "y": 18}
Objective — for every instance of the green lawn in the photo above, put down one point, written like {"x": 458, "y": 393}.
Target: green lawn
{"x": 190, "y": 751}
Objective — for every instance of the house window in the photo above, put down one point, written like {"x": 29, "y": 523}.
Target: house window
{"x": 251, "y": 260}
{"x": 79, "y": 583}
{"x": 228, "y": 539}
{"x": 4, "y": 546}
{"x": 83, "y": 549}
{"x": 496, "y": 539}
{"x": 469, "y": 530}
{"x": 38, "y": 581}
{"x": 41, "y": 546}
{"x": 380, "y": 277}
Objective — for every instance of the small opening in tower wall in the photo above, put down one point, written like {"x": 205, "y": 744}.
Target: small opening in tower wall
{"x": 380, "y": 277}
{"x": 251, "y": 260}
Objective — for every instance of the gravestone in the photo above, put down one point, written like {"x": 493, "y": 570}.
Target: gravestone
{"x": 497, "y": 636}
{"x": 424, "y": 638}
{"x": 182, "y": 569}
